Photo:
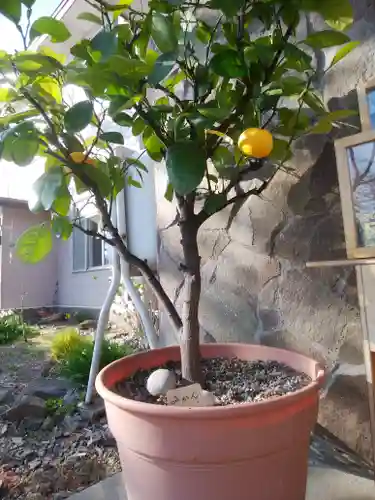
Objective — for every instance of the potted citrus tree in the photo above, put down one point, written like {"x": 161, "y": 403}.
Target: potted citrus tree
{"x": 219, "y": 91}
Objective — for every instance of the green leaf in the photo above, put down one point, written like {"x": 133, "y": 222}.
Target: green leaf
{"x": 343, "y": 52}
{"x": 36, "y": 62}
{"x": 186, "y": 166}
{"x": 47, "y": 186}
{"x": 203, "y": 32}
{"x": 131, "y": 69}
{"x": 50, "y": 86}
{"x": 114, "y": 137}
{"x": 105, "y": 42}
{"x": 118, "y": 103}
{"x": 228, "y": 7}
{"x": 63, "y": 199}
{"x": 341, "y": 114}
{"x": 281, "y": 150}
{"x": 297, "y": 58}
{"x": 17, "y": 117}
{"x": 214, "y": 203}
{"x": 34, "y": 244}
{"x": 34, "y": 204}
{"x": 124, "y": 32}
{"x": 133, "y": 182}
{"x": 162, "y": 67}
{"x": 62, "y": 227}
{"x": 323, "y": 126}
{"x": 292, "y": 85}
{"x": 101, "y": 179}
{"x": 7, "y": 94}
{"x": 120, "y": 6}
{"x": 47, "y": 51}
{"x": 50, "y": 26}
{"x": 216, "y": 113}
{"x": 325, "y": 123}
{"x": 24, "y": 150}
{"x": 78, "y": 116}
{"x": 169, "y": 192}
{"x": 338, "y": 14}
{"x": 142, "y": 43}
{"x": 260, "y": 50}
{"x": 89, "y": 16}
{"x": 72, "y": 143}
{"x": 292, "y": 121}
{"x": 228, "y": 63}
{"x": 163, "y": 33}
{"x": 123, "y": 119}
{"x": 11, "y": 9}
{"x": 314, "y": 101}
{"x": 326, "y": 38}
{"x": 137, "y": 163}
{"x": 174, "y": 80}
{"x": 28, "y": 3}
{"x": 81, "y": 50}
{"x": 117, "y": 179}
{"x": 138, "y": 126}
{"x": 223, "y": 158}
{"x": 153, "y": 144}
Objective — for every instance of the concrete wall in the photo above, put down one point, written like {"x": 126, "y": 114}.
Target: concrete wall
{"x": 37, "y": 282}
{"x": 256, "y": 287}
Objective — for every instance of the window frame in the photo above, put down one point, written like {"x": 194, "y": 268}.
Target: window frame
{"x": 86, "y": 248}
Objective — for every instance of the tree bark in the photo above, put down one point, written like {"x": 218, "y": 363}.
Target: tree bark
{"x": 189, "y": 344}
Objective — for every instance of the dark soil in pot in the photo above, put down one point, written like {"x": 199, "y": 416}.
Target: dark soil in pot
{"x": 233, "y": 381}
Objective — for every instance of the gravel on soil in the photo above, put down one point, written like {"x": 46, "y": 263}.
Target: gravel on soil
{"x": 54, "y": 456}
{"x": 55, "y": 464}
{"x": 233, "y": 381}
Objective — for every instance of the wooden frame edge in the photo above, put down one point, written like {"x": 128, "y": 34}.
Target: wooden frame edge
{"x": 347, "y": 204}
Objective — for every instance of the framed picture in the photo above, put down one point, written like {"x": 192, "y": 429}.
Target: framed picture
{"x": 366, "y": 103}
{"x": 355, "y": 157}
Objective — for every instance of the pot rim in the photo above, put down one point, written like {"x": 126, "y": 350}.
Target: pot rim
{"x": 298, "y": 397}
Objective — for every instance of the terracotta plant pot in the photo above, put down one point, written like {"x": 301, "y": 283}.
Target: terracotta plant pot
{"x": 252, "y": 451}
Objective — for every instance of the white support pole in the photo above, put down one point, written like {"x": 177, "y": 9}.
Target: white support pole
{"x": 102, "y": 323}
{"x": 130, "y": 289}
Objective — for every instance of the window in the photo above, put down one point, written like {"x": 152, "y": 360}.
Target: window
{"x": 89, "y": 252}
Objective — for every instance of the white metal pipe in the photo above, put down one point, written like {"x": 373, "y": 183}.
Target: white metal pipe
{"x": 140, "y": 306}
{"x": 102, "y": 323}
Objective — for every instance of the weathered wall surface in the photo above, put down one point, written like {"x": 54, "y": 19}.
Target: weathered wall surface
{"x": 256, "y": 287}
{"x": 33, "y": 285}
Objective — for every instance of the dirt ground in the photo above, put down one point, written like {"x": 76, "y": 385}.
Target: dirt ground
{"x": 56, "y": 457}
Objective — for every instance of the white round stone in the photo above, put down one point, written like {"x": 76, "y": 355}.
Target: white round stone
{"x": 160, "y": 382}
{"x": 207, "y": 398}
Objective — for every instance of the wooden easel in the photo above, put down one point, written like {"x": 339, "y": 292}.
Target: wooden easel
{"x": 361, "y": 257}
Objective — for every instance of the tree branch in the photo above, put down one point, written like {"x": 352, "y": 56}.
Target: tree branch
{"x": 140, "y": 264}
{"x": 156, "y": 129}
{"x": 94, "y": 234}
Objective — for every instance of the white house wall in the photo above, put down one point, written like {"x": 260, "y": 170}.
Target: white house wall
{"x": 79, "y": 289}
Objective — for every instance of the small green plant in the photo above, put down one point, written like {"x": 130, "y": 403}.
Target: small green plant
{"x": 73, "y": 352}
{"x": 13, "y": 328}
{"x": 67, "y": 341}
{"x": 57, "y": 407}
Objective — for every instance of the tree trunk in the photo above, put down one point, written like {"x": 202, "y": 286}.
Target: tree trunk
{"x": 189, "y": 343}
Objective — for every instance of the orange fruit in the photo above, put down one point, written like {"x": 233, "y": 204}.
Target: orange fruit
{"x": 255, "y": 142}
{"x": 79, "y": 157}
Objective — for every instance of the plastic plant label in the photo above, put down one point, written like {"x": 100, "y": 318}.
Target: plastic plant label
{"x": 189, "y": 395}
